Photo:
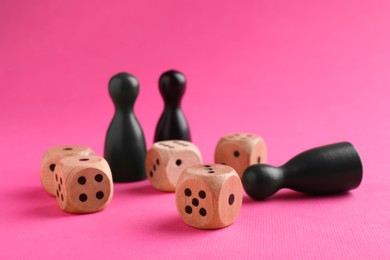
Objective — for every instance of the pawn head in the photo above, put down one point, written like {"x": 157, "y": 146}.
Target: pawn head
{"x": 260, "y": 181}
{"x": 172, "y": 86}
{"x": 123, "y": 89}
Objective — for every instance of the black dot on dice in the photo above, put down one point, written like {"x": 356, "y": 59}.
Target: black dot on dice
{"x": 187, "y": 192}
{"x": 231, "y": 199}
{"x": 82, "y": 180}
{"x": 195, "y": 202}
{"x": 158, "y": 162}
{"x": 209, "y": 169}
{"x": 236, "y": 153}
{"x": 59, "y": 187}
{"x": 83, "y": 197}
{"x": 99, "y": 195}
{"x": 151, "y": 174}
{"x": 62, "y": 197}
{"x": 207, "y": 166}
{"x": 224, "y": 163}
{"x": 98, "y": 177}
{"x": 178, "y": 162}
{"x": 202, "y": 194}
{"x": 188, "y": 209}
{"x": 52, "y": 167}
{"x": 68, "y": 149}
{"x": 61, "y": 180}
{"x": 211, "y": 172}
{"x": 58, "y": 194}
{"x": 202, "y": 212}
{"x": 258, "y": 159}
{"x": 83, "y": 159}
{"x": 56, "y": 177}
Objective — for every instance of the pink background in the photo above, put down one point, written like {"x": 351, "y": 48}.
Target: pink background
{"x": 299, "y": 73}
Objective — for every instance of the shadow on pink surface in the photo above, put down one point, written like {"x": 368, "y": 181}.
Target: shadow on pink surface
{"x": 290, "y": 195}
{"x": 144, "y": 189}
{"x": 35, "y": 203}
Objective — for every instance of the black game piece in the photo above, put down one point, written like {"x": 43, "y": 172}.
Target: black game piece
{"x": 329, "y": 169}
{"x": 172, "y": 124}
{"x": 125, "y": 148}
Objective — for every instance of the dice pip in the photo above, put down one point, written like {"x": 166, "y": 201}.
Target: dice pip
{"x": 209, "y": 196}
{"x": 166, "y": 160}
{"x": 83, "y": 184}
{"x": 240, "y": 151}
{"x": 51, "y": 158}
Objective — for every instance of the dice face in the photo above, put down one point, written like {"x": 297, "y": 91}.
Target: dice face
{"x": 83, "y": 184}
{"x": 196, "y": 202}
{"x": 166, "y": 160}
{"x": 240, "y": 151}
{"x": 50, "y": 160}
{"x": 209, "y": 196}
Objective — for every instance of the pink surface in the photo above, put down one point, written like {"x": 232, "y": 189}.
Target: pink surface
{"x": 298, "y": 73}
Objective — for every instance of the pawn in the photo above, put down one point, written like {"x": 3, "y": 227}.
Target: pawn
{"x": 172, "y": 124}
{"x": 329, "y": 169}
{"x": 125, "y": 148}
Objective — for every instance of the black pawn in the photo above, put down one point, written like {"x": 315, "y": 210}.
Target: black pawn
{"x": 125, "y": 147}
{"x": 329, "y": 169}
{"x": 172, "y": 124}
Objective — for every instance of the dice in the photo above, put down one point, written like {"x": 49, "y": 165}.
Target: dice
{"x": 50, "y": 160}
{"x": 209, "y": 196}
{"x": 166, "y": 160}
{"x": 83, "y": 184}
{"x": 240, "y": 151}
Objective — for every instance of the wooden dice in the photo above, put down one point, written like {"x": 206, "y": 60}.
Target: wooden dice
{"x": 240, "y": 151}
{"x": 166, "y": 160}
{"x": 83, "y": 184}
{"x": 209, "y": 196}
{"x": 50, "y": 160}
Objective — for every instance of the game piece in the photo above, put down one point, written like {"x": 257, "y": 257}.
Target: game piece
{"x": 166, "y": 160}
{"x": 329, "y": 169}
{"x": 83, "y": 184}
{"x": 240, "y": 150}
{"x": 50, "y": 159}
{"x": 209, "y": 196}
{"x": 125, "y": 147}
{"x": 172, "y": 124}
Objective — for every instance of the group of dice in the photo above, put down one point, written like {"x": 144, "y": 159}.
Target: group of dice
{"x": 80, "y": 180}
{"x": 208, "y": 196}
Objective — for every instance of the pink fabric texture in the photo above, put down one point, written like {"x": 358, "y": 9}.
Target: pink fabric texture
{"x": 299, "y": 73}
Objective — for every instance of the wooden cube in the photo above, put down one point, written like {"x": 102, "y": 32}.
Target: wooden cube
{"x": 240, "y": 151}
{"x": 166, "y": 160}
{"x": 51, "y": 158}
{"x": 83, "y": 184}
{"x": 209, "y": 196}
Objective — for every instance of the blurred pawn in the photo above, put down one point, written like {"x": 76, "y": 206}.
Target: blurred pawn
{"x": 172, "y": 124}
{"x": 330, "y": 169}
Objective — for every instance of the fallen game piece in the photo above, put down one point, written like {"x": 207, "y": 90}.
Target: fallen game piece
{"x": 329, "y": 169}
{"x": 125, "y": 147}
{"x": 166, "y": 160}
{"x": 172, "y": 124}
{"x": 50, "y": 159}
{"x": 209, "y": 196}
{"x": 240, "y": 150}
{"x": 83, "y": 184}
